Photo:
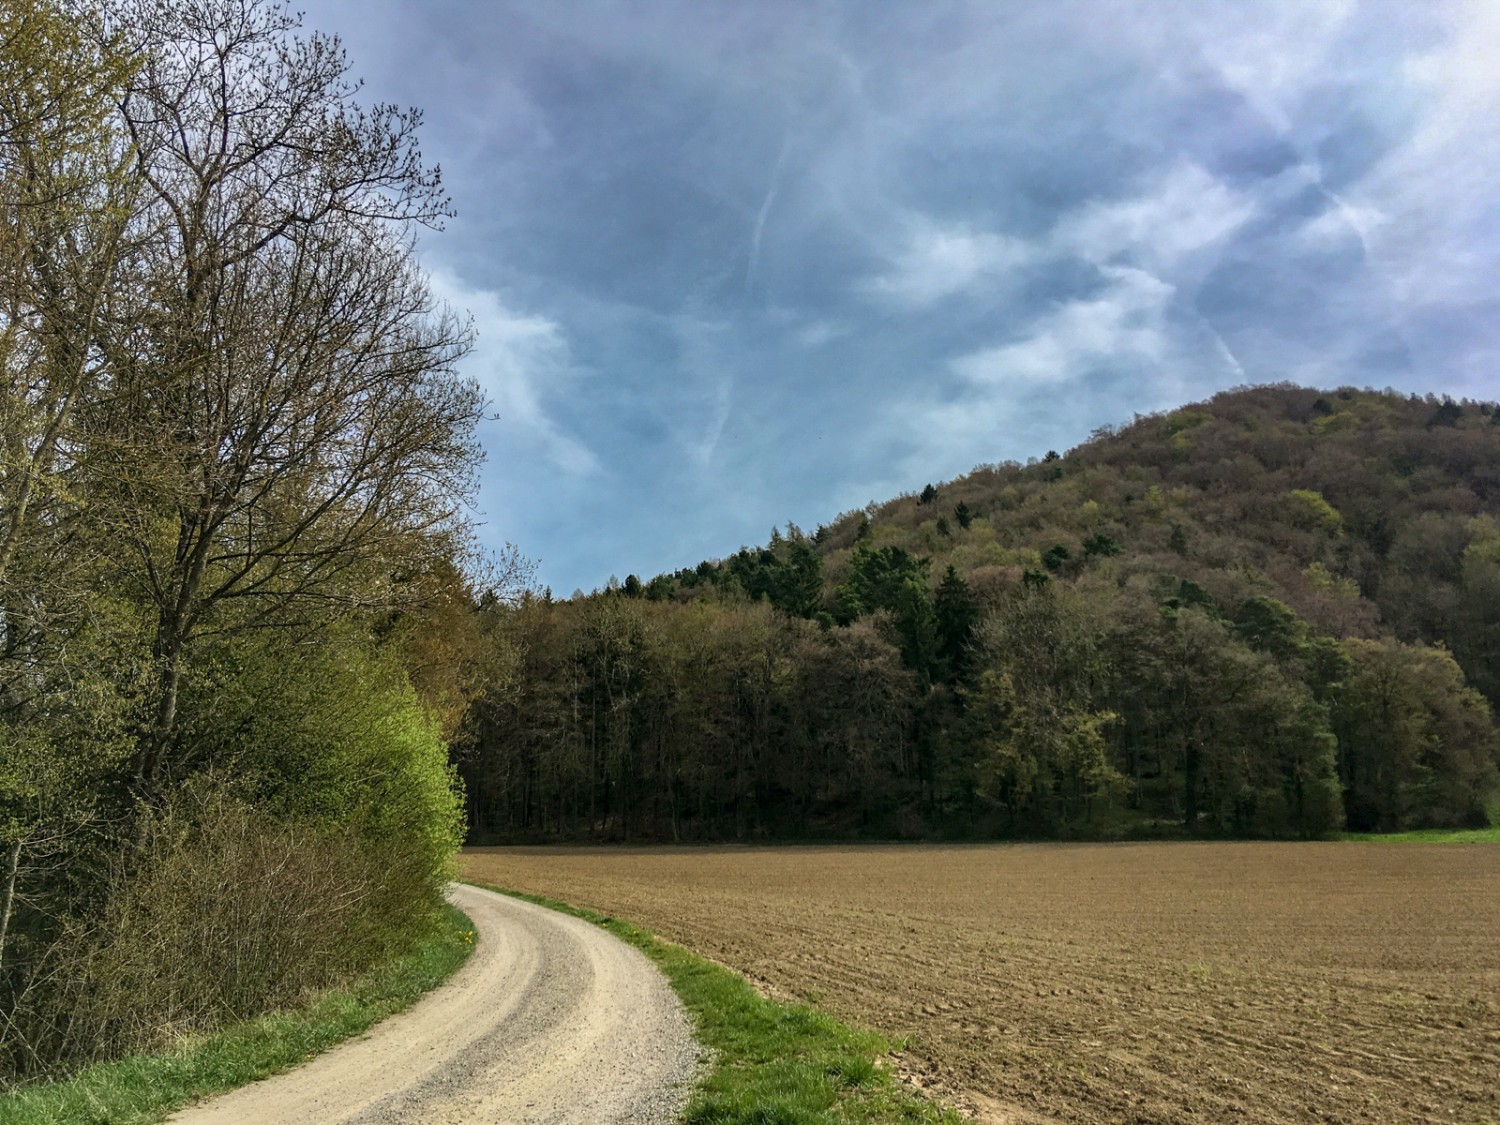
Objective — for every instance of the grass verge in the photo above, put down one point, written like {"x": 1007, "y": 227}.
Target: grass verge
{"x": 145, "y": 1088}
{"x": 1489, "y": 835}
{"x": 773, "y": 1063}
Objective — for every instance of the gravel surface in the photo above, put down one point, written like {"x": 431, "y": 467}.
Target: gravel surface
{"x": 551, "y": 1020}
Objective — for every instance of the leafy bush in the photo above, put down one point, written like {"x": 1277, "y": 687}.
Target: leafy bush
{"x": 313, "y": 842}
{"x": 328, "y": 732}
{"x": 222, "y": 912}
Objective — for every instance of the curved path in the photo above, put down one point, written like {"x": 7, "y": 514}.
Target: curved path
{"x": 551, "y": 1020}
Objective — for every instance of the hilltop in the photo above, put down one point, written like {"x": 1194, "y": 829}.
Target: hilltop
{"x": 1271, "y": 613}
{"x": 1356, "y": 508}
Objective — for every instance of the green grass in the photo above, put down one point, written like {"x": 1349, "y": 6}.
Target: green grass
{"x": 1430, "y": 836}
{"x": 1489, "y": 835}
{"x": 772, "y": 1063}
{"x": 145, "y": 1088}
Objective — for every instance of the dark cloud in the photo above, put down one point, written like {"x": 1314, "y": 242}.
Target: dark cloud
{"x": 736, "y": 264}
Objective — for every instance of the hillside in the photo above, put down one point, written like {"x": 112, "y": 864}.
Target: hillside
{"x": 1272, "y": 613}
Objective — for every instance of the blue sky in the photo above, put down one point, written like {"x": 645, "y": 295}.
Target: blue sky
{"x": 741, "y": 263}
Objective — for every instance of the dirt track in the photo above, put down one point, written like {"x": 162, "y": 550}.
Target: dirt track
{"x": 1152, "y": 984}
{"x": 551, "y": 1020}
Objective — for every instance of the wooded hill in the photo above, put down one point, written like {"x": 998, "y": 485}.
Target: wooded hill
{"x": 1275, "y": 613}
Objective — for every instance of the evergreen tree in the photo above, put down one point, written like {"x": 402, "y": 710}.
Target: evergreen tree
{"x": 1100, "y": 544}
{"x": 799, "y": 585}
{"x": 957, "y": 616}
{"x": 877, "y": 579}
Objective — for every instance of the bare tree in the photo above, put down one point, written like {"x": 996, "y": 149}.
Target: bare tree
{"x": 283, "y": 431}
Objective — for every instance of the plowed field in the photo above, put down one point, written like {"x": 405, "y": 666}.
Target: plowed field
{"x": 1107, "y": 983}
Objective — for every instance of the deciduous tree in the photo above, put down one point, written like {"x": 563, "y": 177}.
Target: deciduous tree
{"x": 284, "y": 426}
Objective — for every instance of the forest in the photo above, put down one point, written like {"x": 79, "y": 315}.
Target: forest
{"x": 257, "y": 681}
{"x": 234, "y": 457}
{"x": 1272, "y": 614}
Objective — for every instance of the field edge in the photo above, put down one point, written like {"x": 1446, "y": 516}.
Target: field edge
{"x": 143, "y": 1089}
{"x": 1489, "y": 835}
{"x": 768, "y": 1060}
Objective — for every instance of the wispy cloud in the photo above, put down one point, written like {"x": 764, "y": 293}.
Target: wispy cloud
{"x": 820, "y": 332}
{"x": 1042, "y": 383}
{"x": 759, "y": 230}
{"x": 705, "y": 396}
{"x": 1344, "y": 220}
{"x": 994, "y": 226}
{"x": 1271, "y": 54}
{"x": 937, "y": 260}
{"x": 1438, "y": 187}
{"x": 1181, "y": 212}
{"x": 1123, "y": 324}
{"x": 521, "y": 361}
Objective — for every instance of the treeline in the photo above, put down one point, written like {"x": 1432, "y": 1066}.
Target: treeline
{"x": 1259, "y": 616}
{"x": 232, "y": 450}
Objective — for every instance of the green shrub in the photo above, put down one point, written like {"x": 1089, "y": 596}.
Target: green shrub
{"x": 329, "y": 732}
{"x": 221, "y": 913}
{"x": 312, "y": 843}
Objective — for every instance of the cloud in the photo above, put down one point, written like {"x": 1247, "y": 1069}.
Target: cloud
{"x": 1421, "y": 209}
{"x": 1173, "y": 232}
{"x": 820, "y": 332}
{"x": 757, "y": 232}
{"x": 937, "y": 261}
{"x": 1140, "y": 245}
{"x": 1184, "y": 211}
{"x": 1343, "y": 220}
{"x": 520, "y": 360}
{"x": 1438, "y": 186}
{"x": 1123, "y": 324}
{"x": 810, "y": 250}
{"x": 705, "y": 401}
{"x": 1052, "y": 379}
{"x": 1271, "y": 54}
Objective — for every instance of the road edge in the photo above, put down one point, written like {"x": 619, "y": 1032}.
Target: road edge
{"x": 148, "y": 1088}
{"x": 765, "y": 1058}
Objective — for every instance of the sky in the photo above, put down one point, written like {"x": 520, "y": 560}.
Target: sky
{"x": 749, "y": 262}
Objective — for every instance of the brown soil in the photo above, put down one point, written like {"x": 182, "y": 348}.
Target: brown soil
{"x": 1107, "y": 983}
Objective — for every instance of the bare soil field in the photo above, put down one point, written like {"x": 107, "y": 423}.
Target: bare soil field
{"x": 1106, "y": 983}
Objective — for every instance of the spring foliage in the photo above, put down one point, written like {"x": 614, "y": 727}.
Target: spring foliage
{"x": 234, "y": 454}
{"x": 1240, "y": 618}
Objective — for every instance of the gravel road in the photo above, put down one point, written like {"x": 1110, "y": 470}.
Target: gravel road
{"x": 551, "y": 1020}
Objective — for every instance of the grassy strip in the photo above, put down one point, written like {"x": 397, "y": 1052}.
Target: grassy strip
{"x": 1429, "y": 836}
{"x": 773, "y": 1064}
{"x": 145, "y": 1088}
{"x": 1489, "y": 835}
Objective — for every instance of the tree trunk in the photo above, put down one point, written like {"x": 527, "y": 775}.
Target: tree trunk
{"x": 1190, "y": 788}
{"x": 8, "y": 901}
{"x": 153, "y": 743}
